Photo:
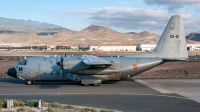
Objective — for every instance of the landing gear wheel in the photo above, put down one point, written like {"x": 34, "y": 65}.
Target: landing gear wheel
{"x": 29, "y": 82}
{"x": 85, "y": 84}
{"x": 97, "y": 84}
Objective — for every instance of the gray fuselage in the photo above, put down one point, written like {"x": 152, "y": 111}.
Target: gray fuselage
{"x": 45, "y": 68}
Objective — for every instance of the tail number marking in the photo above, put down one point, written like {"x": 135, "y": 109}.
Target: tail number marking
{"x": 172, "y": 36}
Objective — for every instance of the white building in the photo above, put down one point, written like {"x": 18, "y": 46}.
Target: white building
{"x": 51, "y": 47}
{"x": 193, "y": 47}
{"x": 112, "y": 48}
{"x": 145, "y": 47}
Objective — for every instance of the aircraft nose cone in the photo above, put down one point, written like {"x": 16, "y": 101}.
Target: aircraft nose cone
{"x": 12, "y": 72}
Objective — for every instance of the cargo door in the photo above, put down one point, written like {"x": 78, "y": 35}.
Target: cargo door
{"x": 117, "y": 76}
{"x": 36, "y": 75}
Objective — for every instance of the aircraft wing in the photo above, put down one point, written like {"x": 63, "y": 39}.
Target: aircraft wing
{"x": 94, "y": 60}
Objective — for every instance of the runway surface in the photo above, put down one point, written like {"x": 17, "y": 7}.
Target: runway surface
{"x": 138, "y": 95}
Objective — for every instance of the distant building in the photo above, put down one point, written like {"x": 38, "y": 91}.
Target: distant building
{"x": 83, "y": 48}
{"x": 51, "y": 47}
{"x": 74, "y": 48}
{"x": 4, "y": 48}
{"x": 112, "y": 48}
{"x": 63, "y": 47}
{"x": 38, "y": 48}
{"x": 145, "y": 47}
{"x": 193, "y": 47}
{"x": 20, "y": 48}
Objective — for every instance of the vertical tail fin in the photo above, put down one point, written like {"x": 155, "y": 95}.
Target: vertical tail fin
{"x": 172, "y": 44}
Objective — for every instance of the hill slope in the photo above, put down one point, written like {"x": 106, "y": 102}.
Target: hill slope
{"x": 98, "y": 35}
{"x": 193, "y": 36}
{"x": 26, "y": 24}
{"x": 29, "y": 32}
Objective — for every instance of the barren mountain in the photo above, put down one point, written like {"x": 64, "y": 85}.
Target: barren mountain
{"x": 33, "y": 33}
{"x": 194, "y": 36}
{"x": 25, "y": 24}
{"x": 98, "y": 35}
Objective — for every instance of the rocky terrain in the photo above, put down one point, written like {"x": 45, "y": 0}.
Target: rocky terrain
{"x": 92, "y": 35}
{"x": 17, "y": 24}
{"x": 194, "y": 36}
{"x": 28, "y": 32}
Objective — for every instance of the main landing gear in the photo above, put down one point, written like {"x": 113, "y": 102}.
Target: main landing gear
{"x": 96, "y": 84}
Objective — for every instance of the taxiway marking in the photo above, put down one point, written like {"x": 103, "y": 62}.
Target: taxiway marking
{"x": 152, "y": 86}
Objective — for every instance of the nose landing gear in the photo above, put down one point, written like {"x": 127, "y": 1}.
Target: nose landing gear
{"x": 29, "y": 82}
{"x": 96, "y": 84}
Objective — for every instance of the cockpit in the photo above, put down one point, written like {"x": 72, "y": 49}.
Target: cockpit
{"x": 22, "y": 62}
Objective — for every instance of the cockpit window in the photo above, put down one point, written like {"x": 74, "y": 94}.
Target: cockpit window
{"x": 23, "y": 62}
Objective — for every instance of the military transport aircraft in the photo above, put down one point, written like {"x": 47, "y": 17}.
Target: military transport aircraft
{"x": 92, "y": 70}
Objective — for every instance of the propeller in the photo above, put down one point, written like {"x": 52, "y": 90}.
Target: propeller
{"x": 60, "y": 63}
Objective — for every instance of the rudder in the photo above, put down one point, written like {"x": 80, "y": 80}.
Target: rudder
{"x": 172, "y": 44}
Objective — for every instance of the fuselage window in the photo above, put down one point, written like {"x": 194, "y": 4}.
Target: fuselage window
{"x": 20, "y": 68}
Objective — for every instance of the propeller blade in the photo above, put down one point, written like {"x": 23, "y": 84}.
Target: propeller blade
{"x": 61, "y": 60}
{"x": 63, "y": 73}
{"x": 60, "y": 63}
{"x": 61, "y": 66}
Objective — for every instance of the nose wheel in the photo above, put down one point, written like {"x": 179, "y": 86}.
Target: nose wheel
{"x": 29, "y": 82}
{"x": 96, "y": 84}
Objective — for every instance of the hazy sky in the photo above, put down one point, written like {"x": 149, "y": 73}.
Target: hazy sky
{"x": 121, "y": 15}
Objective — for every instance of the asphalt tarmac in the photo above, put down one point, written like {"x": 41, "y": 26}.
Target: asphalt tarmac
{"x": 140, "y": 95}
